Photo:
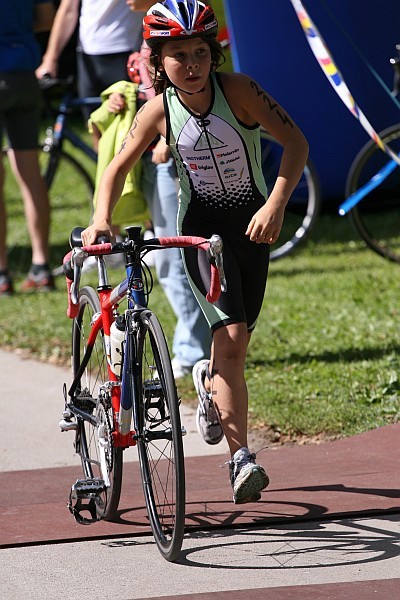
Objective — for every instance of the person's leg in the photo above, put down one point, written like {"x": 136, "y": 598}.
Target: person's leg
{"x": 228, "y": 385}
{"x": 25, "y": 166}
{"x": 192, "y": 338}
{"x": 228, "y": 390}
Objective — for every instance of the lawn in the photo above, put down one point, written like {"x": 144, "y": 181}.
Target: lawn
{"x": 323, "y": 361}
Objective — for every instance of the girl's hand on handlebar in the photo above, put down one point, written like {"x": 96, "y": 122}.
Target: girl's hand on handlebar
{"x": 91, "y": 233}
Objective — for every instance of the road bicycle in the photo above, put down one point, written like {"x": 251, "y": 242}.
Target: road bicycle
{"x": 373, "y": 189}
{"x": 373, "y": 192}
{"x": 58, "y": 162}
{"x": 122, "y": 374}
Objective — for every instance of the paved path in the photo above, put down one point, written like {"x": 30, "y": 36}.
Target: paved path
{"x": 328, "y": 526}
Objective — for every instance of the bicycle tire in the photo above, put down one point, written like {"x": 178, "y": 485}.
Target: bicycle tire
{"x": 159, "y": 438}
{"x": 376, "y": 217}
{"x": 303, "y": 207}
{"x": 94, "y": 443}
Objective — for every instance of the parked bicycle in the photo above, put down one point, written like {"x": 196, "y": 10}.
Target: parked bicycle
{"x": 58, "y": 162}
{"x": 122, "y": 371}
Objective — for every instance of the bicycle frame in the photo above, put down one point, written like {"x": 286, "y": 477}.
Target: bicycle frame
{"x": 131, "y": 288}
{"x": 61, "y": 131}
{"x": 372, "y": 184}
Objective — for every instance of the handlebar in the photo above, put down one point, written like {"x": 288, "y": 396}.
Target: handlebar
{"x": 74, "y": 260}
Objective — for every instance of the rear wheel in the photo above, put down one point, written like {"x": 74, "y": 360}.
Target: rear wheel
{"x": 94, "y": 440}
{"x": 377, "y": 216}
{"x": 304, "y": 205}
{"x": 160, "y": 448}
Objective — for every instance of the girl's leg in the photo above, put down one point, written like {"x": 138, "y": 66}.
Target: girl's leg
{"x": 229, "y": 393}
{"x": 228, "y": 385}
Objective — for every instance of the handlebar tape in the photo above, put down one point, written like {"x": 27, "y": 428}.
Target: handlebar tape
{"x": 98, "y": 249}
{"x": 199, "y": 242}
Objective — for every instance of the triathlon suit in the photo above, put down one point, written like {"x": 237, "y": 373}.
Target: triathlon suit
{"x": 221, "y": 187}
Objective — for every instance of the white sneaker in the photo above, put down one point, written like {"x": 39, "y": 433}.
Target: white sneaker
{"x": 207, "y": 417}
{"x": 179, "y": 369}
{"x": 148, "y": 258}
{"x": 247, "y": 478}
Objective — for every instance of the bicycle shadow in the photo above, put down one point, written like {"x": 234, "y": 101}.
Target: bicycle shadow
{"x": 220, "y": 514}
{"x": 309, "y": 545}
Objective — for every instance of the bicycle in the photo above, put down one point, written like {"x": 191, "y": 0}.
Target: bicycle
{"x": 373, "y": 189}
{"x": 54, "y": 155}
{"x": 122, "y": 372}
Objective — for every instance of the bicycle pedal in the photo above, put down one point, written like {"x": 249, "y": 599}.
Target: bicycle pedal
{"x": 68, "y": 425}
{"x": 85, "y": 497}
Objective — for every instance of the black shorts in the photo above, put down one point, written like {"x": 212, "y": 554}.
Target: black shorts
{"x": 245, "y": 264}
{"x": 96, "y": 72}
{"x": 20, "y": 109}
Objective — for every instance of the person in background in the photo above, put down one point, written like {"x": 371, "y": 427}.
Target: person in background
{"x": 115, "y": 26}
{"x": 108, "y": 32}
{"x": 19, "y": 119}
{"x": 192, "y": 339}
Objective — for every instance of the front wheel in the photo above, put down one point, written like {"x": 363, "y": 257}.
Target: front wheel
{"x": 159, "y": 432}
{"x": 377, "y": 216}
{"x": 94, "y": 439}
{"x": 304, "y": 205}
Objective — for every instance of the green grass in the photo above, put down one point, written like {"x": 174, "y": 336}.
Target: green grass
{"x": 323, "y": 361}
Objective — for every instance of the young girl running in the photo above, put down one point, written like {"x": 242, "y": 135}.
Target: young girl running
{"x": 211, "y": 123}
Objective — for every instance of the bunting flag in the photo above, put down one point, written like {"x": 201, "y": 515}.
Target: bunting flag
{"x": 334, "y": 76}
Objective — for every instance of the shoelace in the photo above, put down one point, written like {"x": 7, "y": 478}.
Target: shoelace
{"x": 252, "y": 455}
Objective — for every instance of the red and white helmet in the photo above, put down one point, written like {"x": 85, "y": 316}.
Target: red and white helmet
{"x": 177, "y": 19}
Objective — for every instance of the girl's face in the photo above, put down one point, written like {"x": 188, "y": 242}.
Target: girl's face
{"x": 187, "y": 63}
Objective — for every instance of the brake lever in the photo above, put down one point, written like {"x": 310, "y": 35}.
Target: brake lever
{"x": 77, "y": 258}
{"x": 216, "y": 248}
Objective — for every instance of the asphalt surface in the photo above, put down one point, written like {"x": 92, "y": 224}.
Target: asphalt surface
{"x": 328, "y": 526}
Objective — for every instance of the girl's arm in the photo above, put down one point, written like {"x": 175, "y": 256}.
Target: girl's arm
{"x": 148, "y": 122}
{"x": 250, "y": 103}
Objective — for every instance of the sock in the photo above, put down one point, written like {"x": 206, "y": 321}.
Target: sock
{"x": 36, "y": 269}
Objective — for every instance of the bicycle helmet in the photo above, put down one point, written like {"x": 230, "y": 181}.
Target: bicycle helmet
{"x": 177, "y": 19}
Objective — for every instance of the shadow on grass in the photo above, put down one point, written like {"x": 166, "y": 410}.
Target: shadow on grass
{"x": 19, "y": 257}
{"x": 346, "y": 355}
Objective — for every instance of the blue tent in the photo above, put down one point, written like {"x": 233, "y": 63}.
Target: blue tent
{"x": 268, "y": 43}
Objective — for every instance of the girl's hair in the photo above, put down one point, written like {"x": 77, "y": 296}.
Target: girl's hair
{"x": 160, "y": 79}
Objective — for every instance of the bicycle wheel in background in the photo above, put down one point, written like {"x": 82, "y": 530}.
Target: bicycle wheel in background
{"x": 377, "y": 216}
{"x": 71, "y": 190}
{"x": 160, "y": 448}
{"x": 94, "y": 440}
{"x": 304, "y": 205}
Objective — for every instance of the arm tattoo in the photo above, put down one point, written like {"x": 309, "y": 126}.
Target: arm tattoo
{"x": 132, "y": 129}
{"x": 272, "y": 106}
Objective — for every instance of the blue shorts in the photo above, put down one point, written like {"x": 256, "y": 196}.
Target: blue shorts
{"x": 20, "y": 109}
